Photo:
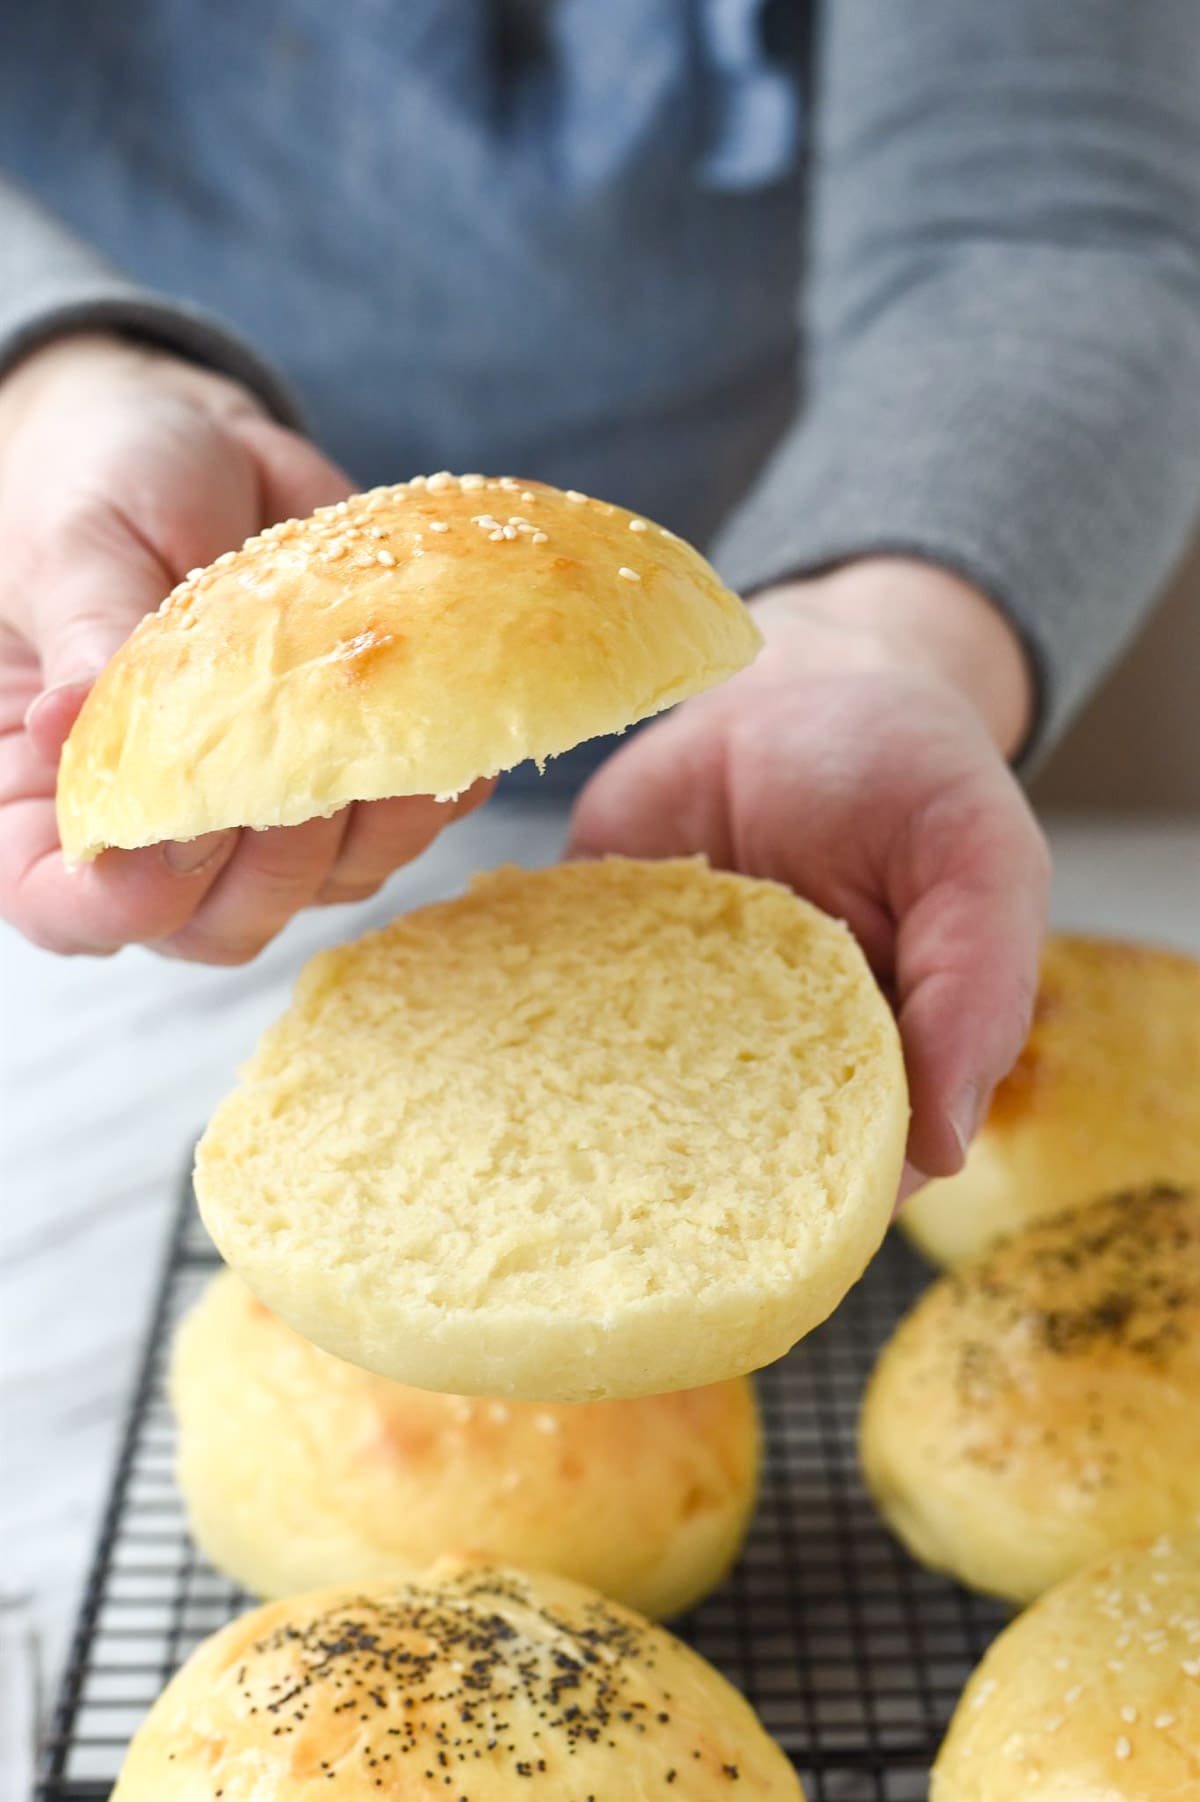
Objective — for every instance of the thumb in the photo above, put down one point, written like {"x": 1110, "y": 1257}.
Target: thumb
{"x": 661, "y": 795}
{"x": 90, "y": 598}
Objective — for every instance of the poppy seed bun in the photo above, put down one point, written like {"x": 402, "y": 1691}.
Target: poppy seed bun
{"x": 300, "y": 1471}
{"x": 407, "y": 641}
{"x": 1105, "y": 1096}
{"x": 1093, "y": 1695}
{"x": 469, "y": 1682}
{"x": 1038, "y": 1406}
{"x": 585, "y": 1133}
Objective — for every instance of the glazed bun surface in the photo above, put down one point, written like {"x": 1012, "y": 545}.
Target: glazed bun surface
{"x": 469, "y": 1683}
{"x": 407, "y": 641}
{"x": 605, "y": 1130}
{"x": 300, "y": 1471}
{"x": 1093, "y": 1695}
{"x": 1038, "y": 1407}
{"x": 1105, "y": 1096}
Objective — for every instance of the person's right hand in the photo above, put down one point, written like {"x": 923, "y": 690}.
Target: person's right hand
{"x": 121, "y": 468}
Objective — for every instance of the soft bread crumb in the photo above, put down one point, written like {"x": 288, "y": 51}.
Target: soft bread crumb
{"x": 603, "y": 1130}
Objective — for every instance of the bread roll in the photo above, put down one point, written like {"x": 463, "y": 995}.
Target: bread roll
{"x": 1041, "y": 1405}
{"x": 406, "y": 641}
{"x": 1105, "y": 1096}
{"x": 585, "y": 1133}
{"x": 300, "y": 1471}
{"x": 1091, "y": 1696}
{"x": 469, "y": 1683}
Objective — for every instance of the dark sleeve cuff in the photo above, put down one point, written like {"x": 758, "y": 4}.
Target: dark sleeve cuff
{"x": 51, "y": 283}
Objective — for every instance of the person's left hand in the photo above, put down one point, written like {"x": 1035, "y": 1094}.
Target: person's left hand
{"x": 861, "y": 760}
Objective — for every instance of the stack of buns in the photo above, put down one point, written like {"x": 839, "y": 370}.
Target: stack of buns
{"x": 522, "y": 1187}
{"x": 518, "y": 1191}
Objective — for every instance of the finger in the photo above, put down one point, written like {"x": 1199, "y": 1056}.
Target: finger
{"x": 660, "y": 795}
{"x": 82, "y": 599}
{"x": 295, "y": 477}
{"x": 383, "y": 836}
{"x": 968, "y": 946}
{"x": 272, "y": 875}
{"x": 123, "y": 898}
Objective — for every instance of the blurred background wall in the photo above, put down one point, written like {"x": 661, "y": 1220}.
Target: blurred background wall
{"x": 1136, "y": 747}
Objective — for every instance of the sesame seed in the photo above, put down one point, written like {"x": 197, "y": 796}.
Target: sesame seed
{"x": 438, "y": 525}
{"x": 225, "y": 559}
{"x": 1190, "y": 1667}
{"x": 540, "y": 538}
{"x": 527, "y": 494}
{"x": 546, "y": 1423}
{"x": 1054, "y": 1723}
{"x": 443, "y": 479}
{"x": 342, "y": 507}
{"x": 1162, "y": 1721}
{"x": 637, "y": 525}
{"x": 497, "y": 1412}
{"x": 1073, "y": 1694}
{"x": 1129, "y": 1714}
{"x": 508, "y": 531}
{"x": 1116, "y": 1664}
{"x": 498, "y": 533}
{"x": 509, "y": 483}
{"x": 193, "y": 574}
{"x": 628, "y": 575}
{"x": 1123, "y": 1749}
{"x": 470, "y": 483}
{"x": 573, "y": 494}
{"x": 386, "y": 558}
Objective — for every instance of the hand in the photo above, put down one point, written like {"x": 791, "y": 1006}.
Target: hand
{"x": 861, "y": 760}
{"x": 122, "y": 468}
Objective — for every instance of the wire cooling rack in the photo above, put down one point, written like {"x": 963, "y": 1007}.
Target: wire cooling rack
{"x": 853, "y": 1656}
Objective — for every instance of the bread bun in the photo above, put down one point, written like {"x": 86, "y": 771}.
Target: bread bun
{"x": 1091, "y": 1696}
{"x": 1105, "y": 1096}
{"x": 585, "y": 1133}
{"x": 406, "y": 641}
{"x": 467, "y": 1683}
{"x": 1038, "y": 1407}
{"x": 300, "y": 1471}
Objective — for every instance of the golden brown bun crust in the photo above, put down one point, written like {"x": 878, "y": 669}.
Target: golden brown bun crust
{"x": 1038, "y": 1407}
{"x": 300, "y": 1471}
{"x": 1093, "y": 1695}
{"x": 587, "y": 1133}
{"x": 407, "y": 641}
{"x": 1105, "y": 1096}
{"x": 469, "y": 1683}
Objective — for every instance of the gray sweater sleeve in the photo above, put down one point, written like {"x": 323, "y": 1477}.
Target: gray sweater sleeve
{"x": 51, "y": 282}
{"x": 1003, "y": 365}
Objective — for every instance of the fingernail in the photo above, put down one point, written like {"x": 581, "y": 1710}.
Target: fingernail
{"x": 188, "y": 856}
{"x": 964, "y": 1117}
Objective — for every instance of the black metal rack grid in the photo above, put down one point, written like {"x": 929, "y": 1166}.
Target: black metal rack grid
{"x": 852, "y": 1654}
